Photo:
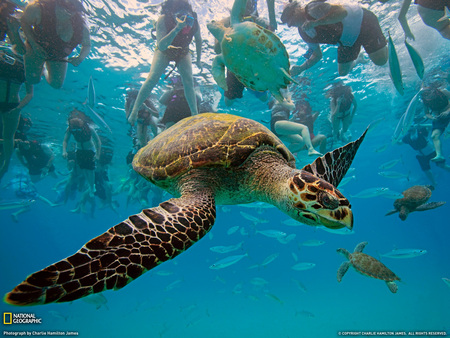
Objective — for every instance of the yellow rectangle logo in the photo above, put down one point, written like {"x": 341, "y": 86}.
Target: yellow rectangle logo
{"x": 7, "y": 318}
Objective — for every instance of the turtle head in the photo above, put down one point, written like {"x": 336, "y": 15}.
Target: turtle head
{"x": 314, "y": 201}
{"x": 217, "y": 29}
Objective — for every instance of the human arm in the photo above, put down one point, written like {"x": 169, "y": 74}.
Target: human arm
{"x": 51, "y": 156}
{"x": 97, "y": 143}
{"x": 26, "y": 99}
{"x": 164, "y": 39}
{"x": 403, "y": 21}
{"x": 315, "y": 57}
{"x": 85, "y": 48}
{"x": 14, "y": 36}
{"x": 198, "y": 48}
{"x": 65, "y": 142}
{"x": 32, "y": 17}
{"x": 272, "y": 17}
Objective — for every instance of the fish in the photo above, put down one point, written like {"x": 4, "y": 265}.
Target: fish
{"x": 226, "y": 249}
{"x": 272, "y": 233}
{"x": 393, "y": 175}
{"x": 287, "y": 239}
{"x": 343, "y": 231}
{"x": 294, "y": 256}
{"x": 173, "y": 284}
{"x": 406, "y": 119}
{"x": 292, "y": 222}
{"x": 381, "y": 149}
{"x": 394, "y": 67}
{"x": 97, "y": 299}
{"x": 371, "y": 192}
{"x": 312, "y": 242}
{"x": 226, "y": 262}
{"x": 91, "y": 105}
{"x": 304, "y": 313}
{"x": 345, "y": 180}
{"x": 303, "y": 266}
{"x": 388, "y": 193}
{"x": 389, "y": 164}
{"x": 404, "y": 253}
{"x": 416, "y": 59}
{"x": 269, "y": 259}
{"x": 232, "y": 230}
{"x": 16, "y": 204}
{"x": 300, "y": 285}
{"x": 258, "y": 281}
{"x": 275, "y": 298}
{"x": 446, "y": 281}
{"x": 253, "y": 219}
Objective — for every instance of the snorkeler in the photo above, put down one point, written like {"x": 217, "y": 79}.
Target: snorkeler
{"x": 348, "y": 25}
{"x": 53, "y": 29}
{"x": 175, "y": 29}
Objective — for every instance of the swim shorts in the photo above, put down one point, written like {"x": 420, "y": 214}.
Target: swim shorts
{"x": 441, "y": 123}
{"x": 235, "y": 87}
{"x": 86, "y": 159}
{"x": 371, "y": 38}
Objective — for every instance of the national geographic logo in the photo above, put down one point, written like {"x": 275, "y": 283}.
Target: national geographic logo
{"x": 20, "y": 318}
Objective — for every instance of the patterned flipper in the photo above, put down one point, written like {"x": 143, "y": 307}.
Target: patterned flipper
{"x": 122, "y": 254}
{"x": 333, "y": 166}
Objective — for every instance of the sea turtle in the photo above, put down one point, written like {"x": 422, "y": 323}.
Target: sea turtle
{"x": 202, "y": 160}
{"x": 414, "y": 199}
{"x": 367, "y": 266}
{"x": 254, "y": 54}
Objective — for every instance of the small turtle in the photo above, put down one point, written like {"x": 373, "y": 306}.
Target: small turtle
{"x": 414, "y": 199}
{"x": 367, "y": 266}
{"x": 254, "y": 54}
{"x": 204, "y": 161}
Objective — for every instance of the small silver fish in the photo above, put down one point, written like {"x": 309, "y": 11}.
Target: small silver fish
{"x": 389, "y": 164}
{"x": 446, "y": 281}
{"x": 223, "y": 263}
{"x": 225, "y": 249}
{"x": 272, "y": 233}
{"x": 258, "y": 281}
{"x": 312, "y": 242}
{"x": 232, "y": 230}
{"x": 371, "y": 192}
{"x": 287, "y": 239}
{"x": 393, "y": 175}
{"x": 97, "y": 299}
{"x": 303, "y": 266}
{"x": 404, "y": 253}
{"x": 269, "y": 259}
{"x": 252, "y": 218}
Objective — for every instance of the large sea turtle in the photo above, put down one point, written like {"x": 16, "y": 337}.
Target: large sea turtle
{"x": 202, "y": 160}
{"x": 254, "y": 54}
{"x": 414, "y": 199}
{"x": 367, "y": 266}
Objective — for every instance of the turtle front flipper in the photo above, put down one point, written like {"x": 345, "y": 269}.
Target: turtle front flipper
{"x": 393, "y": 287}
{"x": 342, "y": 270}
{"x": 391, "y": 212}
{"x": 333, "y": 166}
{"x": 429, "y": 206}
{"x": 122, "y": 254}
{"x": 218, "y": 72}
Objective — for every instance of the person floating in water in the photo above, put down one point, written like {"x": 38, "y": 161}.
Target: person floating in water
{"x": 436, "y": 103}
{"x": 348, "y": 25}
{"x": 417, "y": 138}
{"x": 88, "y": 147}
{"x": 432, "y": 13}
{"x": 342, "y": 110}
{"x": 53, "y": 28}
{"x": 12, "y": 76}
{"x": 37, "y": 158}
{"x": 175, "y": 29}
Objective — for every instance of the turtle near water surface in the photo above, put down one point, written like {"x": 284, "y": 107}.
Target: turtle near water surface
{"x": 254, "y": 54}
{"x": 367, "y": 266}
{"x": 204, "y": 160}
{"x": 414, "y": 199}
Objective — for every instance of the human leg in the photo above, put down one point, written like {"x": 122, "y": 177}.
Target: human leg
{"x": 34, "y": 65}
{"x": 141, "y": 133}
{"x": 10, "y": 122}
{"x": 436, "y": 137}
{"x": 185, "y": 69}
{"x": 380, "y": 56}
{"x": 297, "y": 133}
{"x": 320, "y": 141}
{"x": 56, "y": 73}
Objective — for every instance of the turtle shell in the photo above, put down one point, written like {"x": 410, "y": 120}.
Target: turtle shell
{"x": 371, "y": 267}
{"x": 256, "y": 56}
{"x": 415, "y": 196}
{"x": 206, "y": 140}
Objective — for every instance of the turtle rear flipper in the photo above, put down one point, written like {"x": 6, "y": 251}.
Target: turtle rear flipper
{"x": 391, "y": 212}
{"x": 429, "y": 206}
{"x": 122, "y": 254}
{"x": 342, "y": 270}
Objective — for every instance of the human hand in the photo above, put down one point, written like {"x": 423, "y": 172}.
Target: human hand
{"x": 132, "y": 118}
{"x": 64, "y": 154}
{"x": 75, "y": 60}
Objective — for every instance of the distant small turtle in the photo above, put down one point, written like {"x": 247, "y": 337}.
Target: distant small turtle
{"x": 367, "y": 266}
{"x": 414, "y": 199}
{"x": 254, "y": 54}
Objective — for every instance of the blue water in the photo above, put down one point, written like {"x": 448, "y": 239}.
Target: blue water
{"x": 184, "y": 297}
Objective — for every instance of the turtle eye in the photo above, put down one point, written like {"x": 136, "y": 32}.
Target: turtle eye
{"x": 328, "y": 200}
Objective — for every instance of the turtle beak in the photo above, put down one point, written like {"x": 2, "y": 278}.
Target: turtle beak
{"x": 341, "y": 217}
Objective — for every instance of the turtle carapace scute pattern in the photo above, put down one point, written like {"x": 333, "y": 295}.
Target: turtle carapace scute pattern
{"x": 203, "y": 161}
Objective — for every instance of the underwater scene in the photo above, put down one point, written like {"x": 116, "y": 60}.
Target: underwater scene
{"x": 96, "y": 98}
